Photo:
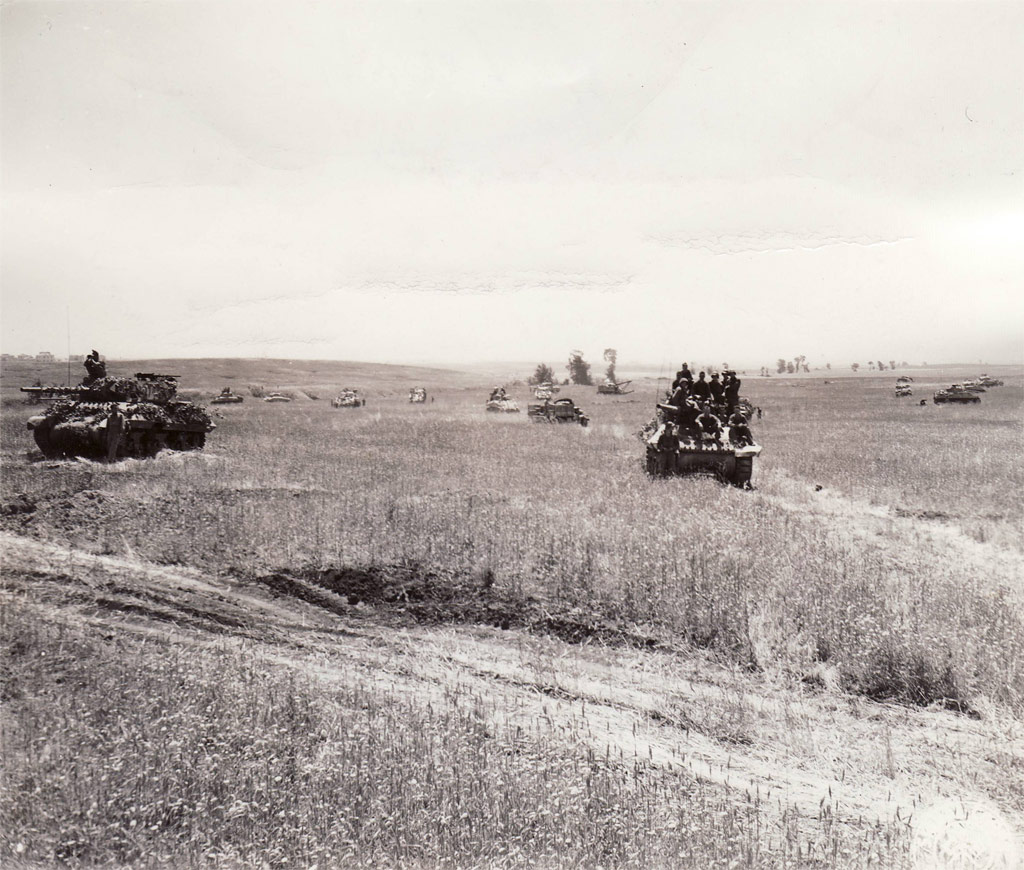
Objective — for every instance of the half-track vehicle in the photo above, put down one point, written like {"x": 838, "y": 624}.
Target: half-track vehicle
{"x": 956, "y": 394}
{"x": 613, "y": 388}
{"x": 558, "y": 411}
{"x": 226, "y": 397}
{"x": 678, "y": 447}
{"x": 417, "y": 395}
{"x": 348, "y": 398}
{"x": 113, "y": 418}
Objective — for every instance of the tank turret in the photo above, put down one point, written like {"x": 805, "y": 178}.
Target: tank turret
{"x": 111, "y": 418}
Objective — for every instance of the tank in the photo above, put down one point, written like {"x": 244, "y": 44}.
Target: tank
{"x": 614, "y": 388}
{"x": 111, "y": 418}
{"x": 558, "y": 411}
{"x": 500, "y": 403}
{"x": 986, "y": 381}
{"x": 226, "y": 397}
{"x": 545, "y": 390}
{"x": 417, "y": 395}
{"x": 956, "y": 394}
{"x": 675, "y": 447}
{"x": 904, "y": 390}
{"x": 348, "y": 398}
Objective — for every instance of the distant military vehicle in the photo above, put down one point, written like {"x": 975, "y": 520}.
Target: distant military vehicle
{"x": 986, "y": 381}
{"x": 904, "y": 379}
{"x": 348, "y": 398}
{"x": 904, "y": 390}
{"x": 545, "y": 391}
{"x": 226, "y": 397}
{"x": 499, "y": 402}
{"x": 974, "y": 387}
{"x": 277, "y": 397}
{"x": 956, "y": 393}
{"x": 112, "y": 418}
{"x": 614, "y": 388}
{"x": 558, "y": 411}
{"x": 417, "y": 395}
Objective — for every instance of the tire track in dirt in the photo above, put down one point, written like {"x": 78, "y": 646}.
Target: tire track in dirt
{"x": 653, "y": 707}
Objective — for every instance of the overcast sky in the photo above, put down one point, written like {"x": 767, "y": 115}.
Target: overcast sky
{"x": 446, "y": 181}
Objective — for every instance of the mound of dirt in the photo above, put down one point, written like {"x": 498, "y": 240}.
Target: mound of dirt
{"x": 428, "y": 596}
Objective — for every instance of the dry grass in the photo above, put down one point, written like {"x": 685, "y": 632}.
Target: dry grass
{"x": 900, "y": 580}
{"x": 140, "y": 752}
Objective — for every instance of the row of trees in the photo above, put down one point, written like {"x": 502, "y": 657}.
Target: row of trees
{"x": 578, "y": 368}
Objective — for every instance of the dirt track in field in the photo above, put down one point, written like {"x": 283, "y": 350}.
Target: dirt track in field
{"x": 793, "y": 747}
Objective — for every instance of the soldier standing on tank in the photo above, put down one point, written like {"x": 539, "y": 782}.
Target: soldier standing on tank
{"x": 700, "y": 389}
{"x": 667, "y": 446}
{"x": 758, "y": 413}
{"x": 684, "y": 375}
{"x": 95, "y": 367}
{"x": 717, "y": 390}
{"x": 731, "y": 385}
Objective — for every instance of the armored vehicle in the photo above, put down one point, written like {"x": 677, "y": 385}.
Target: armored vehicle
{"x": 226, "y": 397}
{"x": 348, "y": 398}
{"x": 986, "y": 381}
{"x": 417, "y": 395}
{"x": 904, "y": 390}
{"x": 904, "y": 379}
{"x": 545, "y": 390}
{"x": 277, "y": 397}
{"x": 500, "y": 403}
{"x": 678, "y": 445}
{"x": 558, "y": 411}
{"x": 614, "y": 388}
{"x": 111, "y": 418}
{"x": 955, "y": 393}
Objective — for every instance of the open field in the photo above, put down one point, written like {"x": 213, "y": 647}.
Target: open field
{"x": 424, "y": 635}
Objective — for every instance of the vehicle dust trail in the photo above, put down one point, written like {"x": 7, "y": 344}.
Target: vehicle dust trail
{"x": 813, "y": 751}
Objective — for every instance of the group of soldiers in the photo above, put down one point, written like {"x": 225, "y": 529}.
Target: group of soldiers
{"x": 697, "y": 406}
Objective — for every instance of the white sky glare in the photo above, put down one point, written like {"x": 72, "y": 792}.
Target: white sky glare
{"x": 481, "y": 180}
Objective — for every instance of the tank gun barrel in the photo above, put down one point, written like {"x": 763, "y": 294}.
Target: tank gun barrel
{"x": 52, "y": 391}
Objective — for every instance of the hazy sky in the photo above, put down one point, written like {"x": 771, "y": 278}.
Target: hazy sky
{"x": 482, "y": 180}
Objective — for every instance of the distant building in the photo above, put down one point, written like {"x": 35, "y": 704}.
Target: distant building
{"x": 77, "y": 357}
{"x": 44, "y": 356}
{"x": 24, "y": 356}
{"x": 6, "y": 356}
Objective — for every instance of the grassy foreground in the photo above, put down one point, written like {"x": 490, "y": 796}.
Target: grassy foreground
{"x": 880, "y": 558}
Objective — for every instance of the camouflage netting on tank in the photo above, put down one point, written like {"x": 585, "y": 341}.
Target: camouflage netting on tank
{"x": 111, "y": 389}
{"x": 185, "y": 412}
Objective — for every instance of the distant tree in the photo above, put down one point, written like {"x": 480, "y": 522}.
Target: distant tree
{"x": 806, "y": 369}
{"x": 609, "y": 357}
{"x": 904, "y": 364}
{"x": 855, "y": 366}
{"x": 780, "y": 366}
{"x": 828, "y": 366}
{"x": 790, "y": 368}
{"x": 579, "y": 370}
{"x": 543, "y": 374}
{"x": 881, "y": 366}
{"x": 871, "y": 365}
{"x": 892, "y": 364}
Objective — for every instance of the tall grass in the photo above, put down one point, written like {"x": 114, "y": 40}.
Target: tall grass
{"x": 137, "y": 752}
{"x": 567, "y": 515}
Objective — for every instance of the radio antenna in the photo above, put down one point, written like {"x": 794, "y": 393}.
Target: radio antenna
{"x": 67, "y": 311}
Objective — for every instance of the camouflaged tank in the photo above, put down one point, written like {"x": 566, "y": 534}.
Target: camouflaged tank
{"x": 110, "y": 418}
